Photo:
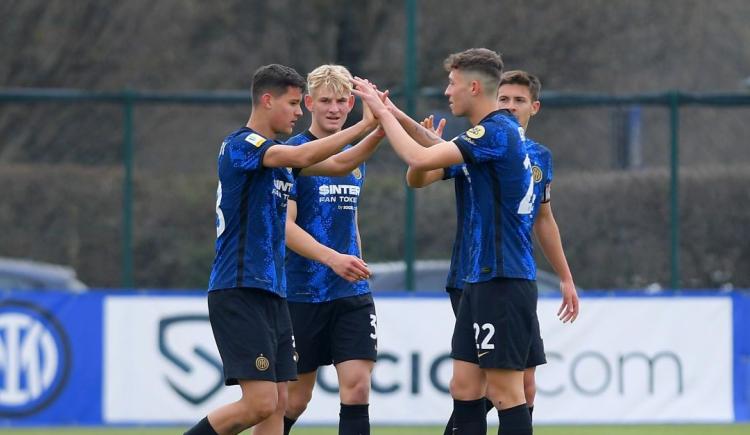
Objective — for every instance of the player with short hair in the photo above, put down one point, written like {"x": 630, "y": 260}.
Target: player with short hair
{"x": 247, "y": 289}
{"x": 519, "y": 93}
{"x": 497, "y": 314}
{"x": 332, "y": 310}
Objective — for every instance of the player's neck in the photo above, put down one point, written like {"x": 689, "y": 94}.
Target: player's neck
{"x": 319, "y": 132}
{"x": 261, "y": 125}
{"x": 482, "y": 107}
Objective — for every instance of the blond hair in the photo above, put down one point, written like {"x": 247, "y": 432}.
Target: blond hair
{"x": 334, "y": 77}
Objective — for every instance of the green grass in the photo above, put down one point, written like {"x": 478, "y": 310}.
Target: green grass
{"x": 736, "y": 429}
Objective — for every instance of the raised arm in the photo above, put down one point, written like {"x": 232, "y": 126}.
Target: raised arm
{"x": 438, "y": 156}
{"x": 349, "y": 267}
{"x": 548, "y": 234}
{"x": 416, "y": 178}
{"x": 345, "y": 161}
{"x": 302, "y": 156}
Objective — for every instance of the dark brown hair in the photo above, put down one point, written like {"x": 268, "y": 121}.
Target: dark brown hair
{"x": 275, "y": 78}
{"x": 518, "y": 77}
{"x": 480, "y": 60}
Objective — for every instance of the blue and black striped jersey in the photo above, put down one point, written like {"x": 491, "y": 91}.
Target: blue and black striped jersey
{"x": 250, "y": 216}
{"x": 327, "y": 210}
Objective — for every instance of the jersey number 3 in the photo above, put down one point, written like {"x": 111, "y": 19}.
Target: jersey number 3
{"x": 220, "y": 224}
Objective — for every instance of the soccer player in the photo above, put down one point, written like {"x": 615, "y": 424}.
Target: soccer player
{"x": 518, "y": 93}
{"x": 332, "y": 310}
{"x": 497, "y": 314}
{"x": 247, "y": 289}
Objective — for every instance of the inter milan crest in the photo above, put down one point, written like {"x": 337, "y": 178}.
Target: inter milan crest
{"x": 536, "y": 171}
{"x": 475, "y": 132}
{"x": 262, "y": 363}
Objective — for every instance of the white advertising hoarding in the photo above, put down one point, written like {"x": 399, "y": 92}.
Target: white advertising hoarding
{"x": 624, "y": 360}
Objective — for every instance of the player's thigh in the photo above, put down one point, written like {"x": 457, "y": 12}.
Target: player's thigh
{"x": 504, "y": 313}
{"x": 237, "y": 316}
{"x": 468, "y": 381}
{"x": 354, "y": 329}
{"x": 311, "y": 323}
{"x": 505, "y": 387}
{"x": 463, "y": 341}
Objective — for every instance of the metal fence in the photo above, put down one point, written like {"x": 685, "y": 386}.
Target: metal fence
{"x": 617, "y": 120}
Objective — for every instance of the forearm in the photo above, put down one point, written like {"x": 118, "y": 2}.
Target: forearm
{"x": 423, "y": 136}
{"x": 548, "y": 234}
{"x": 301, "y": 242}
{"x": 354, "y": 156}
{"x": 418, "y": 178}
{"x": 320, "y": 149}
{"x": 405, "y": 147}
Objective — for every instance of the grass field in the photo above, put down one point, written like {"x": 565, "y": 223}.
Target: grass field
{"x": 737, "y": 429}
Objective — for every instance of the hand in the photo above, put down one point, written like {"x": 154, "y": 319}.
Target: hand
{"x": 369, "y": 96}
{"x": 429, "y": 123}
{"x": 349, "y": 267}
{"x": 569, "y": 309}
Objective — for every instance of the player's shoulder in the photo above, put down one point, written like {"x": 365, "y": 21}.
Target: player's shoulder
{"x": 538, "y": 148}
{"x": 301, "y": 138}
{"x": 245, "y": 137}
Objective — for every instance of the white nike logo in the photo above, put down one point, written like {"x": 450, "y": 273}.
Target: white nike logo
{"x": 483, "y": 354}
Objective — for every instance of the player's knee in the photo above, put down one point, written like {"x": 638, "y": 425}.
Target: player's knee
{"x": 356, "y": 392}
{"x": 464, "y": 389}
{"x": 297, "y": 403}
{"x": 259, "y": 408}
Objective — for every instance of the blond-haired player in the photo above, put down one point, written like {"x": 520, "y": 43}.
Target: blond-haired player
{"x": 332, "y": 310}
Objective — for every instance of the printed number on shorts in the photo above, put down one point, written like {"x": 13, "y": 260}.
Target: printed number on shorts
{"x": 527, "y": 203}
{"x": 374, "y": 324}
{"x": 490, "y": 328}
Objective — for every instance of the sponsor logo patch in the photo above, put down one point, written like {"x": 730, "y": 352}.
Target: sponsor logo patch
{"x": 255, "y": 139}
{"x": 357, "y": 173}
{"x": 475, "y": 132}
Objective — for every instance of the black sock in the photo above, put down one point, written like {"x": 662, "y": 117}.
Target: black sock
{"x": 449, "y": 426}
{"x": 203, "y": 427}
{"x": 531, "y": 413}
{"x": 354, "y": 420}
{"x": 288, "y": 423}
{"x": 469, "y": 417}
{"x": 515, "y": 421}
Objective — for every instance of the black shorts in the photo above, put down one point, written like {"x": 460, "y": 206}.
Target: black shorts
{"x": 334, "y": 331}
{"x": 253, "y": 332}
{"x": 496, "y": 325}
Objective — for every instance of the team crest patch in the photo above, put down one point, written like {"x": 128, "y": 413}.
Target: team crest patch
{"x": 536, "y": 171}
{"x": 255, "y": 139}
{"x": 262, "y": 363}
{"x": 475, "y": 132}
{"x": 357, "y": 173}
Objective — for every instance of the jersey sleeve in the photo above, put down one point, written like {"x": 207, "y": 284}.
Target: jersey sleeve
{"x": 485, "y": 142}
{"x": 451, "y": 171}
{"x": 247, "y": 152}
